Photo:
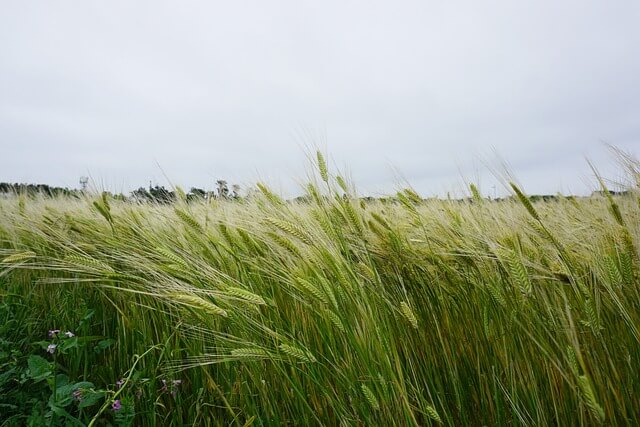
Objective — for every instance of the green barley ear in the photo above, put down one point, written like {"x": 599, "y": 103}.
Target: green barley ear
{"x": 475, "y": 193}
{"x": 525, "y": 201}
{"x": 615, "y": 211}
{"x": 324, "y": 222}
{"x": 335, "y": 319}
{"x": 102, "y": 206}
{"x": 322, "y": 167}
{"x": 592, "y": 316}
{"x": 18, "y": 258}
{"x": 382, "y": 382}
{"x": 518, "y": 271}
{"x": 496, "y": 293}
{"x": 626, "y": 269}
{"x": 297, "y": 353}
{"x": 590, "y": 398}
{"x": 89, "y": 262}
{"x": 286, "y": 244}
{"x": 371, "y": 398}
{"x": 486, "y": 322}
{"x": 189, "y": 220}
{"x": 380, "y": 220}
{"x": 353, "y": 217}
{"x": 433, "y": 414}
{"x": 327, "y": 287}
{"x": 245, "y": 295}
{"x": 377, "y": 230}
{"x": 342, "y": 184}
{"x": 573, "y": 361}
{"x": 539, "y": 229}
{"x": 308, "y": 287}
{"x": 226, "y": 234}
{"x": 195, "y": 301}
{"x": 315, "y": 194}
{"x": 615, "y": 276}
{"x": 366, "y": 271}
{"x": 171, "y": 256}
{"x": 408, "y": 314}
{"x": 250, "y": 353}
{"x": 407, "y": 203}
{"x": 105, "y": 200}
{"x": 413, "y": 196}
{"x": 290, "y": 228}
{"x": 270, "y": 196}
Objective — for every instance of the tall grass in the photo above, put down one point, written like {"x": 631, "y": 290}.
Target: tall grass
{"x": 338, "y": 312}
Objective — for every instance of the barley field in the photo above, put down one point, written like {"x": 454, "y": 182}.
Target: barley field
{"x": 330, "y": 311}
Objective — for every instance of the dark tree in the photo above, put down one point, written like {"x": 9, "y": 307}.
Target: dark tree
{"x": 141, "y": 194}
{"x": 196, "y": 194}
{"x": 159, "y": 194}
{"x": 223, "y": 189}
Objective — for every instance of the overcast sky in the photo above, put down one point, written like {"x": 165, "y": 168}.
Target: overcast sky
{"x": 426, "y": 91}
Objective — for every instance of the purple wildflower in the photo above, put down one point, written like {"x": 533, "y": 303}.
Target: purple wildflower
{"x": 51, "y": 348}
{"x": 174, "y": 387}
{"x": 164, "y": 386}
{"x": 116, "y": 405}
{"x": 77, "y": 395}
{"x": 53, "y": 333}
{"x": 119, "y": 383}
{"x": 69, "y": 334}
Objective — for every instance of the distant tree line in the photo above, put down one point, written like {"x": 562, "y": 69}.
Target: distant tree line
{"x": 155, "y": 194}
{"x": 159, "y": 194}
{"x": 37, "y": 189}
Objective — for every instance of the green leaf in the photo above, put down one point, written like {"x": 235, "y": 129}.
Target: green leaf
{"x": 62, "y": 380}
{"x": 67, "y": 344}
{"x": 7, "y": 376}
{"x": 64, "y": 393}
{"x": 103, "y": 345}
{"x": 71, "y": 420}
{"x": 39, "y": 368}
{"x": 90, "y": 398}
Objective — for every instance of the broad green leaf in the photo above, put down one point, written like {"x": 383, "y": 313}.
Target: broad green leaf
{"x": 90, "y": 397}
{"x": 39, "y": 367}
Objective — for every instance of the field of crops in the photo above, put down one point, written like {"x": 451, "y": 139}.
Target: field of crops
{"x": 334, "y": 311}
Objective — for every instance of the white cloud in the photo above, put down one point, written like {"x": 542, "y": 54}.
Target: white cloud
{"x": 209, "y": 89}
